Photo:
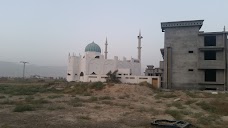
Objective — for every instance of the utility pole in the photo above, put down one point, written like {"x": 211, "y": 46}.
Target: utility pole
{"x": 24, "y": 68}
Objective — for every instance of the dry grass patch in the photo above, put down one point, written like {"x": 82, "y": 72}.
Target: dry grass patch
{"x": 177, "y": 105}
{"x": 55, "y": 96}
{"x": 215, "y": 106}
{"x": 165, "y": 95}
{"x": 178, "y": 114}
{"x": 86, "y": 117}
{"x": 106, "y": 98}
{"x": 55, "y": 107}
{"x": 188, "y": 102}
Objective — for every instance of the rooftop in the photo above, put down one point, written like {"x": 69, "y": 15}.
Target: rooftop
{"x": 187, "y": 23}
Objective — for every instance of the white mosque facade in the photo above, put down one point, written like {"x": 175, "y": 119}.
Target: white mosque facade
{"x": 93, "y": 66}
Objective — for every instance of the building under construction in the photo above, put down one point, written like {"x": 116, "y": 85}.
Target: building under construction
{"x": 193, "y": 59}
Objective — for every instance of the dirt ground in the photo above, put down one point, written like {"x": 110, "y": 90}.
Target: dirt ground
{"x": 113, "y": 106}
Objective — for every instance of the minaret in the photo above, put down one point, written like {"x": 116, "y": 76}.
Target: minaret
{"x": 106, "y": 48}
{"x": 139, "y": 46}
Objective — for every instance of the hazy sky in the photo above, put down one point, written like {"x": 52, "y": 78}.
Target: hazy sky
{"x": 43, "y": 32}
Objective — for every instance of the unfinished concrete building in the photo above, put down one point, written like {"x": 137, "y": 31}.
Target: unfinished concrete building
{"x": 193, "y": 59}
{"x": 152, "y": 71}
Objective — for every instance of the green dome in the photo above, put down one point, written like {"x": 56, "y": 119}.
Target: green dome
{"x": 93, "y": 47}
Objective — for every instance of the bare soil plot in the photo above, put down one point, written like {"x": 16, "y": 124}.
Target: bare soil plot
{"x": 98, "y": 105}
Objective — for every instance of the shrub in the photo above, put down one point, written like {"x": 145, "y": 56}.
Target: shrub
{"x": 97, "y": 85}
{"x": 84, "y": 117}
{"x": 112, "y": 77}
{"x": 107, "y": 102}
{"x": 206, "y": 106}
{"x": 51, "y": 108}
{"x": 92, "y": 99}
{"x": 178, "y": 105}
{"x": 2, "y": 97}
{"x": 23, "y": 89}
{"x": 54, "y": 96}
{"x": 29, "y": 98}
{"x": 7, "y": 101}
{"x": 22, "y": 108}
{"x": 146, "y": 84}
{"x": 174, "y": 113}
{"x": 165, "y": 95}
{"x": 215, "y": 106}
{"x": 105, "y": 98}
{"x": 188, "y": 102}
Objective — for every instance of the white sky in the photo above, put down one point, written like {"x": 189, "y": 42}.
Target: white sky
{"x": 43, "y": 32}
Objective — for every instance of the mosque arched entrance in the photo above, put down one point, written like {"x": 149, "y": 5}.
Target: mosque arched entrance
{"x": 81, "y": 76}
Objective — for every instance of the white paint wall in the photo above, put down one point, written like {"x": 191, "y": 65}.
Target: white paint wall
{"x": 89, "y": 64}
{"x": 124, "y": 79}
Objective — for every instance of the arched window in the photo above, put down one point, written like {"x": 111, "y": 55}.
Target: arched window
{"x": 68, "y": 74}
{"x": 97, "y": 57}
{"x": 81, "y": 74}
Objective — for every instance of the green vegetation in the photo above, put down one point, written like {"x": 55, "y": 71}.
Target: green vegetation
{"x": 92, "y": 99}
{"x": 2, "y": 97}
{"x": 215, "y": 106}
{"x": 107, "y": 102}
{"x": 97, "y": 107}
{"x": 124, "y": 96}
{"x": 52, "y": 108}
{"x": 177, "y": 105}
{"x": 55, "y": 96}
{"x": 84, "y": 117}
{"x": 165, "y": 95}
{"x": 204, "y": 120}
{"x": 105, "y": 98}
{"x": 76, "y": 102}
{"x": 7, "y": 101}
{"x": 146, "y": 84}
{"x": 112, "y": 78}
{"x": 83, "y": 88}
{"x": 24, "y": 89}
{"x": 175, "y": 114}
{"x": 97, "y": 86}
{"x": 24, "y": 107}
{"x": 188, "y": 102}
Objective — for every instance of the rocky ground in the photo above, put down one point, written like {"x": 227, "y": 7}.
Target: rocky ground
{"x": 97, "y": 105}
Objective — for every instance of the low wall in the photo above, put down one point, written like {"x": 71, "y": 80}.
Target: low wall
{"x": 126, "y": 79}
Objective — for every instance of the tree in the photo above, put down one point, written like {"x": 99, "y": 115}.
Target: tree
{"x": 112, "y": 77}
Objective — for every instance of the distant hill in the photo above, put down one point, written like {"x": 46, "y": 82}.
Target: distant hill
{"x": 11, "y": 69}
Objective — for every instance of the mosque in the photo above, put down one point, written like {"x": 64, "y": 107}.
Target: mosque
{"x": 93, "y": 66}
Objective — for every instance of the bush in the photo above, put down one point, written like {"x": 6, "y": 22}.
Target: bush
{"x": 105, "y": 98}
{"x": 215, "y": 106}
{"x": 206, "y": 106}
{"x": 97, "y": 85}
{"x": 174, "y": 113}
{"x": 2, "y": 97}
{"x": 144, "y": 83}
{"x": 23, "y": 89}
{"x": 22, "y": 108}
{"x": 112, "y": 77}
{"x": 54, "y": 96}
